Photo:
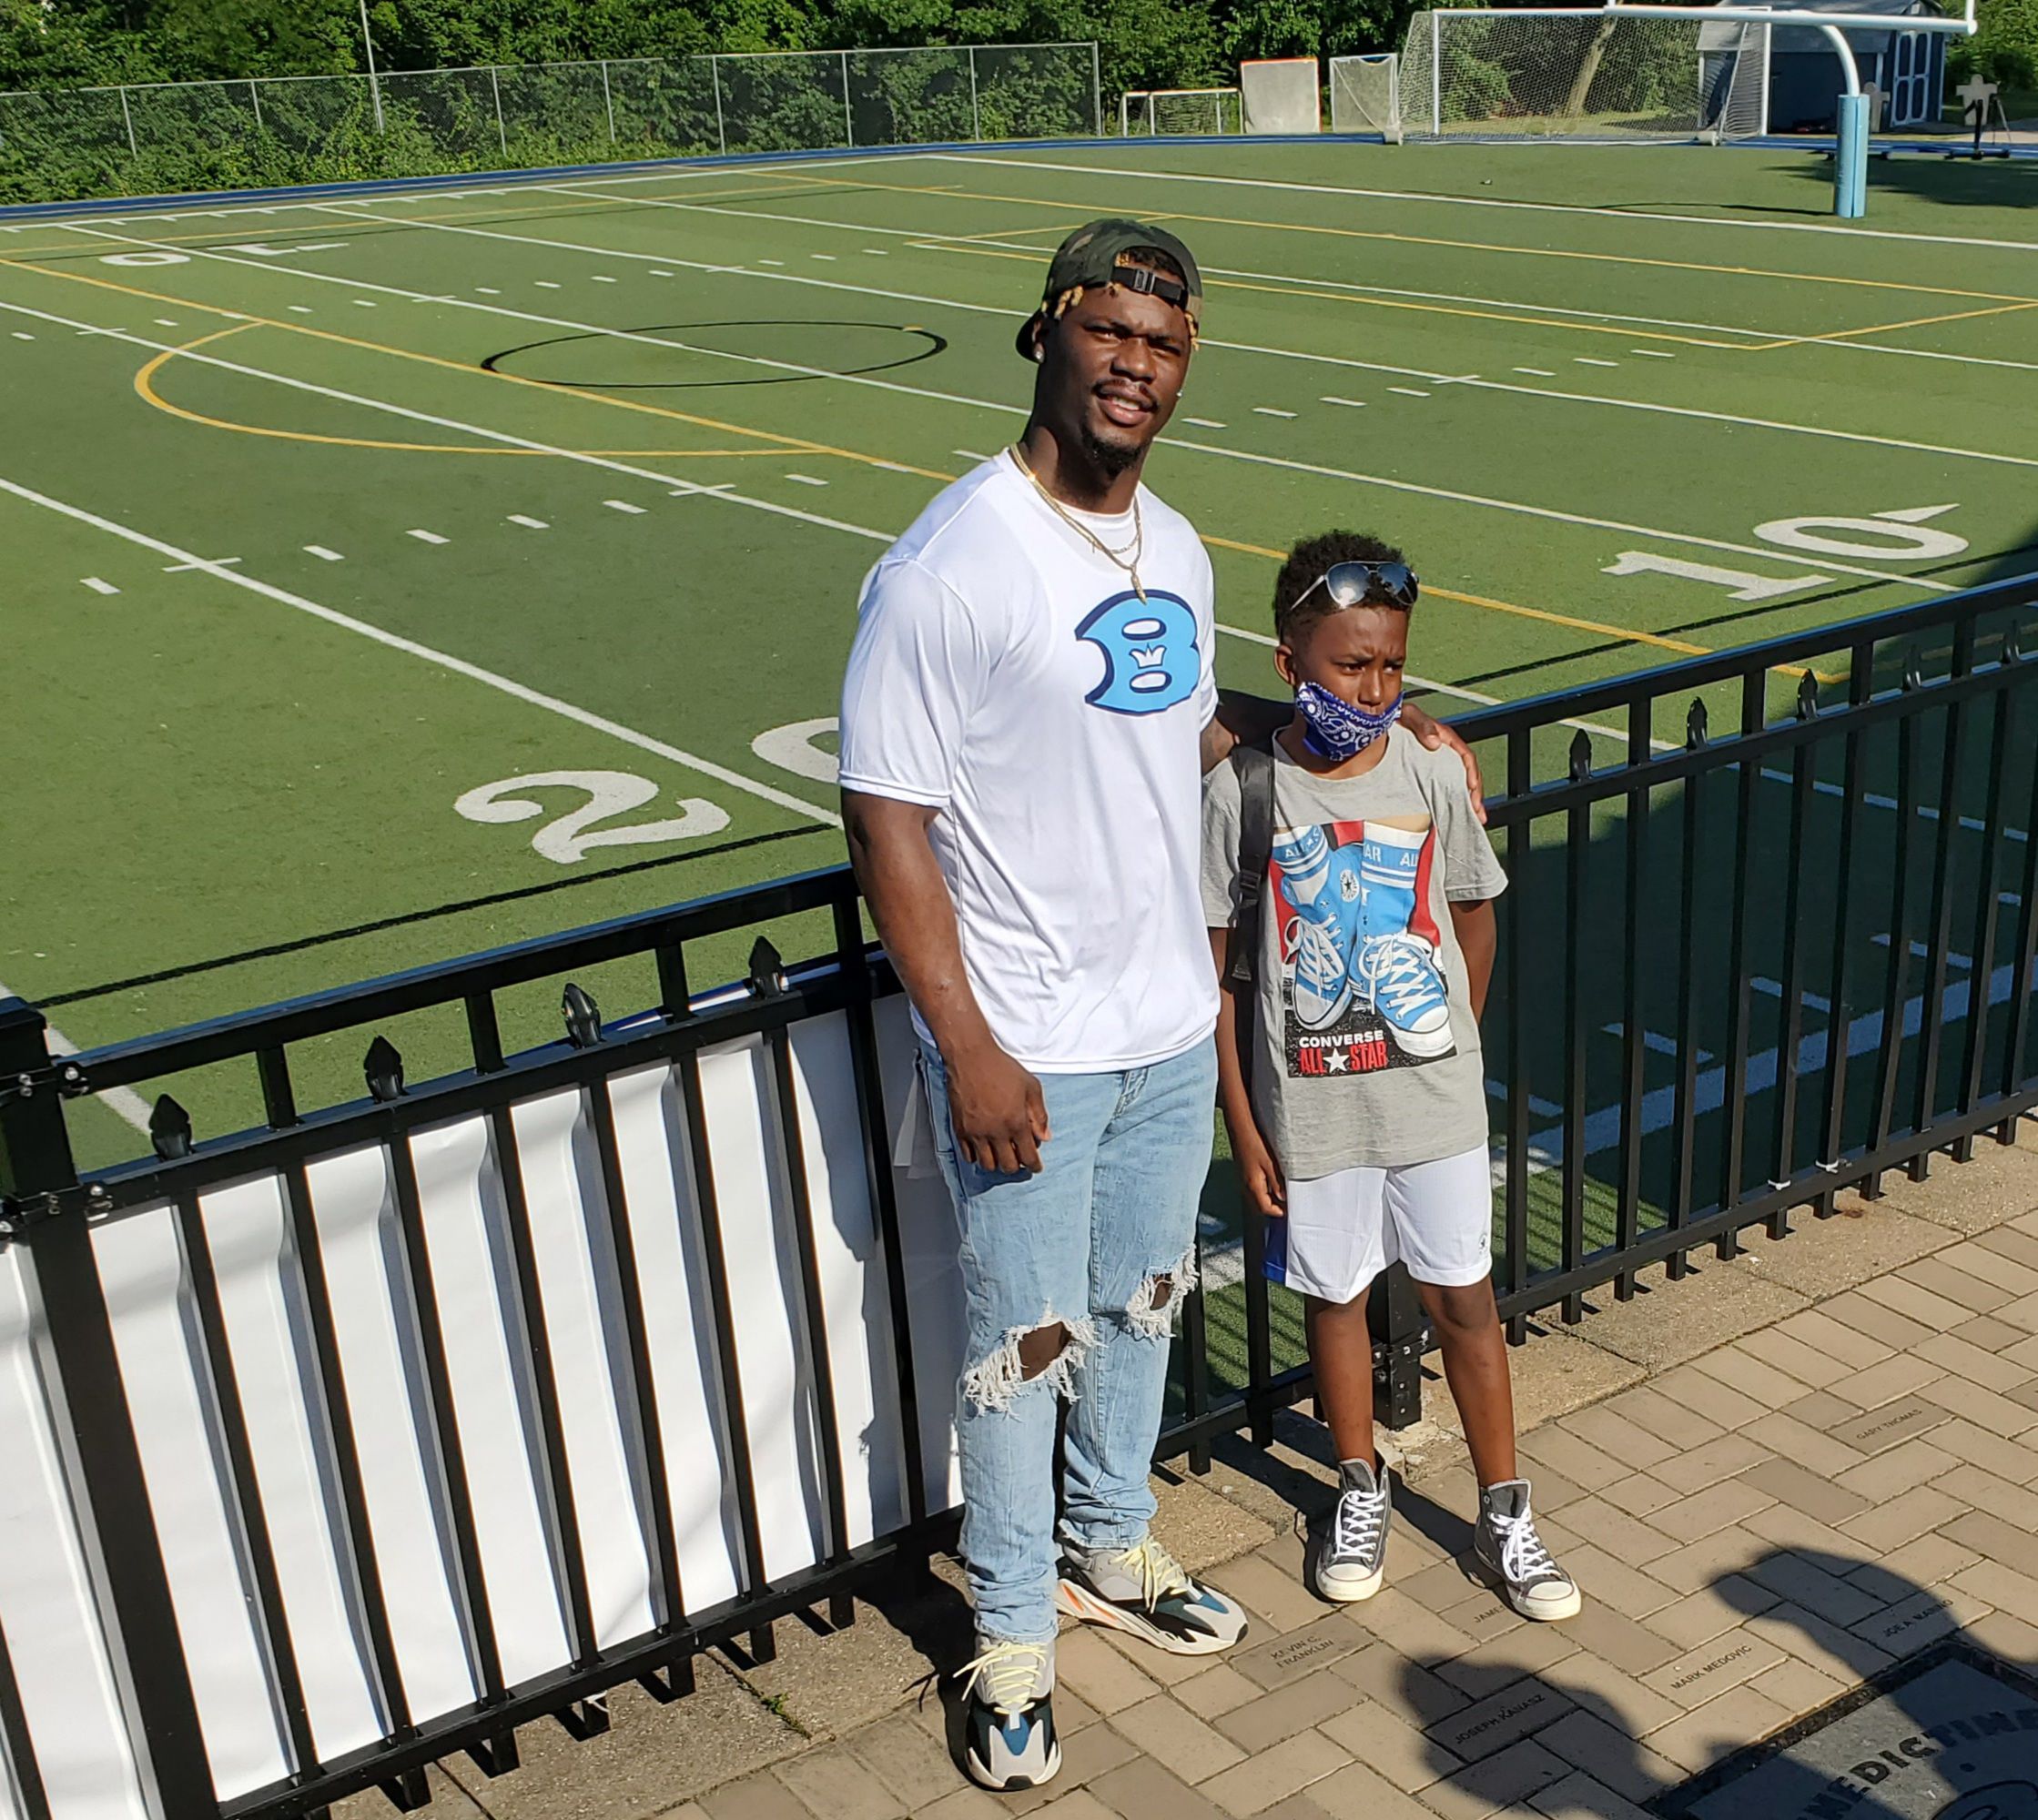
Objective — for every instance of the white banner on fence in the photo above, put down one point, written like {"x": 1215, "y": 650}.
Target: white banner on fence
{"x": 47, "y": 1606}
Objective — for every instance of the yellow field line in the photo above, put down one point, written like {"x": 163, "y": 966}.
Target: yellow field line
{"x": 243, "y": 320}
{"x": 1890, "y": 327}
{"x": 1548, "y": 618}
{"x": 800, "y": 443}
{"x": 145, "y": 384}
{"x": 1464, "y": 245}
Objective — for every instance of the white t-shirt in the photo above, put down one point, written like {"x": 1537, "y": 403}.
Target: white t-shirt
{"x": 1005, "y": 673}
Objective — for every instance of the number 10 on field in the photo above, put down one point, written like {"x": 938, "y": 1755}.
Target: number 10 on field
{"x": 1885, "y": 537}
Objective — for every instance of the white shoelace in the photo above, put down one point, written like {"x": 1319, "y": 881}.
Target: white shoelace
{"x": 1361, "y": 1516}
{"x": 1400, "y": 969}
{"x": 1523, "y": 1557}
{"x": 1007, "y": 1673}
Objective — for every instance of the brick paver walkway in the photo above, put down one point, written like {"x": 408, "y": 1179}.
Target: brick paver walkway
{"x": 1756, "y": 1531}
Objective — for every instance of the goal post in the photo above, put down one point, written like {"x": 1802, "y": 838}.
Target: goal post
{"x": 1282, "y": 94}
{"x": 1365, "y": 94}
{"x": 1167, "y": 112}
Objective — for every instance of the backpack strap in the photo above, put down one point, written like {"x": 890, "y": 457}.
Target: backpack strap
{"x": 1254, "y": 767}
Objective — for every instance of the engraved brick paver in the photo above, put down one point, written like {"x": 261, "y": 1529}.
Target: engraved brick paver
{"x": 1495, "y": 1722}
{"x": 1294, "y": 1655}
{"x": 1891, "y": 1424}
{"x": 1724, "y": 1661}
{"x": 1923, "y": 1618}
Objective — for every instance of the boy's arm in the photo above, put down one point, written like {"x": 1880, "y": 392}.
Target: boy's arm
{"x": 1477, "y": 928}
{"x": 1259, "y": 1174}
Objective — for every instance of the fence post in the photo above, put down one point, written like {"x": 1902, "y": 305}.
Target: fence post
{"x": 501, "y": 131}
{"x": 1095, "y": 93}
{"x": 1436, "y": 72}
{"x": 112, "y": 1497}
{"x": 254, "y": 94}
{"x": 721, "y": 133}
{"x": 608, "y": 99}
{"x": 1395, "y": 1315}
{"x": 976, "y": 116}
{"x": 374, "y": 81}
{"x": 849, "y": 121}
{"x": 127, "y": 120}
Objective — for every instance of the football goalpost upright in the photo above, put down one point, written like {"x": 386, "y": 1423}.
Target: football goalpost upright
{"x": 1623, "y": 71}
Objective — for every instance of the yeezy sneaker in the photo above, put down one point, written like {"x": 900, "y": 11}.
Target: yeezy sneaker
{"x": 1352, "y": 1555}
{"x": 1144, "y": 1591}
{"x": 1508, "y": 1547}
{"x": 1010, "y": 1741}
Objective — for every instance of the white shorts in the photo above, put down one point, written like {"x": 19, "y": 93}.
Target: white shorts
{"x": 1342, "y": 1230}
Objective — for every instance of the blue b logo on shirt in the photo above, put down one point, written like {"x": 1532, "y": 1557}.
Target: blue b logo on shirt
{"x": 1150, "y": 659}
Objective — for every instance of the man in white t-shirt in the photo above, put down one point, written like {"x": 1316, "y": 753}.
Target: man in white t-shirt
{"x": 1030, "y": 706}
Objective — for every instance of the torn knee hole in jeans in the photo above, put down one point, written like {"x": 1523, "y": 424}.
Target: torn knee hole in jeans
{"x": 1152, "y": 1311}
{"x": 994, "y": 1380}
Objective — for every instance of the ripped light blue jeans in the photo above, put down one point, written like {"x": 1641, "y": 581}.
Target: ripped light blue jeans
{"x": 1104, "y": 1230}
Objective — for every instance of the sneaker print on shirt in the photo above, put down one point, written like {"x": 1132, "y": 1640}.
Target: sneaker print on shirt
{"x": 1361, "y": 982}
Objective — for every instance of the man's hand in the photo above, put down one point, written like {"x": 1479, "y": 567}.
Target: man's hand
{"x": 1433, "y": 733}
{"x": 1000, "y": 1114}
{"x": 1259, "y": 1174}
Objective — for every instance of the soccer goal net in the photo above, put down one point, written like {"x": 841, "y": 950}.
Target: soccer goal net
{"x": 1365, "y": 94}
{"x": 1165, "y": 113}
{"x": 1554, "y": 73}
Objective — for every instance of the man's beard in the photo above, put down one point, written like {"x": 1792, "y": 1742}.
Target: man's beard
{"x": 1109, "y": 459}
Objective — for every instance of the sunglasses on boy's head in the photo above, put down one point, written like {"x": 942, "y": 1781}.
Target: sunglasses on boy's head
{"x": 1363, "y": 584}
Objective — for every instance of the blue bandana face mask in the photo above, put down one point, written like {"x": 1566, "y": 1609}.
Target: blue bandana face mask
{"x": 1333, "y": 729}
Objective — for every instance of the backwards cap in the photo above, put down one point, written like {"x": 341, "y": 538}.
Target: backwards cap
{"x": 1092, "y": 256}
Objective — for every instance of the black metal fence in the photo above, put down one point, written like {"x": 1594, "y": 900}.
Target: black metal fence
{"x": 368, "y": 1434}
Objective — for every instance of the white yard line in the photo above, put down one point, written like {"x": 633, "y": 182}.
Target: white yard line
{"x": 460, "y": 666}
{"x": 1477, "y": 201}
{"x": 1547, "y": 513}
{"x": 427, "y": 536}
{"x": 122, "y": 1102}
{"x": 1596, "y": 399}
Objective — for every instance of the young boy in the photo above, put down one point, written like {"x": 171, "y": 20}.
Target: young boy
{"x": 1348, "y": 1045}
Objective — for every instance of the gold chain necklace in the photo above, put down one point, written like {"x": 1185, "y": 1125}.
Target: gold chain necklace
{"x": 1117, "y": 559}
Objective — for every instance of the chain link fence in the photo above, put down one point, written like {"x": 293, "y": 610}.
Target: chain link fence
{"x": 172, "y": 137}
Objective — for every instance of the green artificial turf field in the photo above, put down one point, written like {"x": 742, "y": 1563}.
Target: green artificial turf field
{"x": 372, "y": 557}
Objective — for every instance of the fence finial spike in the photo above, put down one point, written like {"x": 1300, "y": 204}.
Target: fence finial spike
{"x": 1695, "y": 726}
{"x": 767, "y": 970}
{"x": 1581, "y": 756}
{"x": 583, "y": 1016}
{"x": 1808, "y": 697}
{"x": 382, "y": 1068}
{"x": 169, "y": 1129}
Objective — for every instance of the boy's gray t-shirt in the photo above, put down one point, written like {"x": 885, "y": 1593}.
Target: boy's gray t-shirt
{"x": 1367, "y": 1051}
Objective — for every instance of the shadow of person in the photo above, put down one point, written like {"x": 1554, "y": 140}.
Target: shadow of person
{"x": 1755, "y": 1707}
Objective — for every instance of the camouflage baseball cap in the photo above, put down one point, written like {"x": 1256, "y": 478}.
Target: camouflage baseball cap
{"x": 1092, "y": 256}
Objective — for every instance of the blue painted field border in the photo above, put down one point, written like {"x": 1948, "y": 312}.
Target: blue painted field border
{"x": 397, "y": 186}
